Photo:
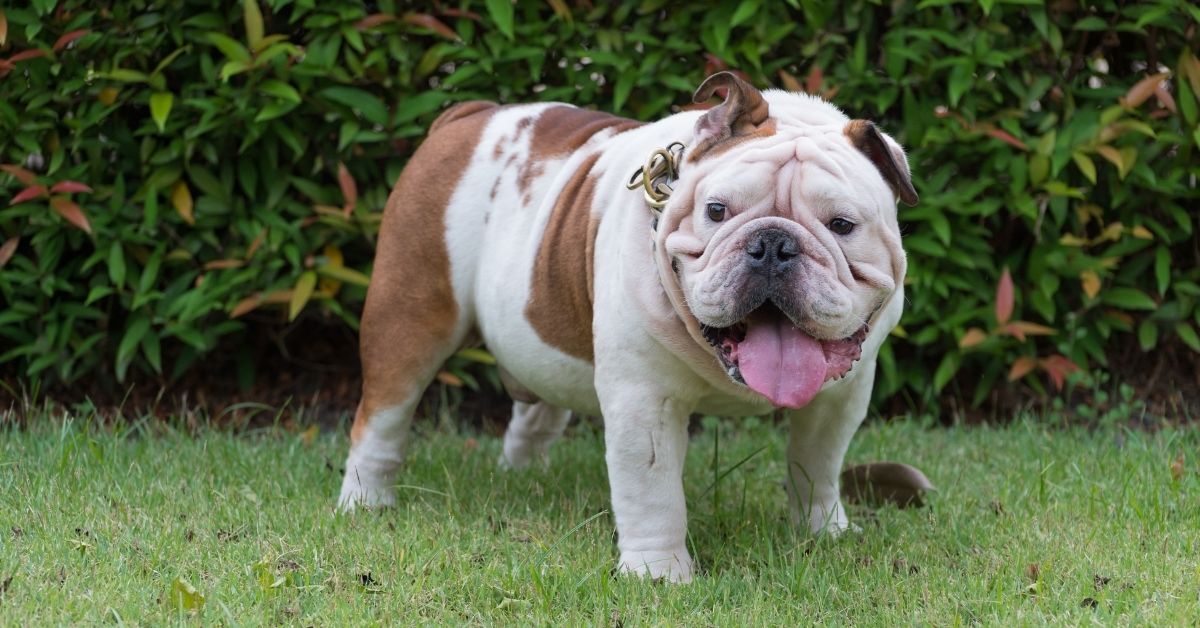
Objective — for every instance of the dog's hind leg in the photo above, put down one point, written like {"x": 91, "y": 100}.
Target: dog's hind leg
{"x": 416, "y": 314}
{"x": 534, "y": 427}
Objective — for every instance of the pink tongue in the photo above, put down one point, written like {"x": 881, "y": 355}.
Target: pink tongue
{"x": 780, "y": 362}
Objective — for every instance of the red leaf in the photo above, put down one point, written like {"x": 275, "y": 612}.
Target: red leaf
{"x": 5, "y": 67}
{"x": 470, "y": 15}
{"x": 1004, "y": 298}
{"x": 28, "y": 193}
{"x": 1020, "y": 368}
{"x": 790, "y": 83}
{"x": 449, "y": 379}
{"x": 32, "y": 53}
{"x": 1143, "y": 89}
{"x": 371, "y": 21}
{"x": 7, "y": 249}
{"x": 812, "y": 83}
{"x": 424, "y": 20}
{"x": 71, "y": 212}
{"x": 1165, "y": 98}
{"x": 67, "y": 38}
{"x": 1058, "y": 367}
{"x": 1021, "y": 329}
{"x": 1007, "y": 138}
{"x": 68, "y": 187}
{"x": 349, "y": 189}
{"x": 20, "y": 174}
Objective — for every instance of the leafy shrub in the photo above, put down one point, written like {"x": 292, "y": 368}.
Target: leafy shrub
{"x": 181, "y": 173}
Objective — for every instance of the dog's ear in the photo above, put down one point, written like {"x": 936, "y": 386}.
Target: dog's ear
{"x": 887, "y": 156}
{"x": 744, "y": 112}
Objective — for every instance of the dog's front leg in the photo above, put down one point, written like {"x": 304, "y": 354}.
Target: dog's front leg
{"x": 819, "y": 437}
{"x": 645, "y": 440}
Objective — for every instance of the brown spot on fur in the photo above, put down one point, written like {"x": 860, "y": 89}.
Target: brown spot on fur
{"x": 560, "y": 299}
{"x": 410, "y": 312}
{"x": 561, "y": 130}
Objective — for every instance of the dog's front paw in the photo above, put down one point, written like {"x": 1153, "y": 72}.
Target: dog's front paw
{"x": 359, "y": 492}
{"x": 830, "y": 519}
{"x": 674, "y": 566}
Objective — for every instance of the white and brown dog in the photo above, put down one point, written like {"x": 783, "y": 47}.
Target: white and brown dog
{"x": 768, "y": 279}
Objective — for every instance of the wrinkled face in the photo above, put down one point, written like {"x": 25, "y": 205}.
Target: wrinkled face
{"x": 784, "y": 248}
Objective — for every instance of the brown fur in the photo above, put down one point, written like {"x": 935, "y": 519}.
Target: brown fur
{"x": 410, "y": 313}
{"x": 560, "y": 298}
{"x": 866, "y": 138}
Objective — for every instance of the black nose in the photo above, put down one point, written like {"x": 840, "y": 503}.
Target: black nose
{"x": 772, "y": 251}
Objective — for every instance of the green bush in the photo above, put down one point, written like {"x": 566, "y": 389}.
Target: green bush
{"x": 205, "y": 170}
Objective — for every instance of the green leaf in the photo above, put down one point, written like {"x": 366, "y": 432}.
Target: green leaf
{"x": 153, "y": 351}
{"x": 234, "y": 68}
{"x": 116, "y": 264}
{"x": 1162, "y": 268}
{"x": 185, "y": 597}
{"x": 1085, "y": 165}
{"x": 274, "y": 110}
{"x": 623, "y": 87}
{"x": 160, "y": 108}
{"x": 1188, "y": 336}
{"x": 745, "y": 10}
{"x": 946, "y": 370}
{"x": 962, "y": 76}
{"x": 252, "y": 17}
{"x": 301, "y": 293}
{"x": 502, "y": 14}
{"x": 413, "y": 107}
{"x": 344, "y": 275}
{"x": 231, "y": 48}
{"x": 476, "y": 355}
{"x": 129, "y": 343}
{"x": 365, "y": 103}
{"x": 1128, "y": 299}
{"x": 1147, "y": 334}
{"x": 279, "y": 89}
{"x": 127, "y": 76}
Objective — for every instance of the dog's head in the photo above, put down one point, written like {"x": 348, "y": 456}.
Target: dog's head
{"x": 780, "y": 241}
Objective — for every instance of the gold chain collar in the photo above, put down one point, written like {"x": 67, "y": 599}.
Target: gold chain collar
{"x": 657, "y": 176}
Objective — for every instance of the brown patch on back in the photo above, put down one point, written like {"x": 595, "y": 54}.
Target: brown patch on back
{"x": 559, "y": 131}
{"x": 560, "y": 297}
{"x": 460, "y": 111}
{"x": 410, "y": 314}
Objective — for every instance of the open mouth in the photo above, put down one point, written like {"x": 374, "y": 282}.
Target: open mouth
{"x": 767, "y": 353}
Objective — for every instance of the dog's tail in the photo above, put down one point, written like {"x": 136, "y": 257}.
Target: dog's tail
{"x": 878, "y": 483}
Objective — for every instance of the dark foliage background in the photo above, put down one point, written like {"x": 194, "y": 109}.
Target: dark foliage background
{"x": 182, "y": 177}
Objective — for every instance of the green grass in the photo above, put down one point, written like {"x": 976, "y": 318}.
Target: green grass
{"x": 1030, "y": 525}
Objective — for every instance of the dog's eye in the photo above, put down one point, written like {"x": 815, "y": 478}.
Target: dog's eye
{"x": 841, "y": 226}
{"x": 716, "y": 211}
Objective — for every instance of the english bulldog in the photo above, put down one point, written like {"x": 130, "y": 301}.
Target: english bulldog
{"x": 755, "y": 265}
